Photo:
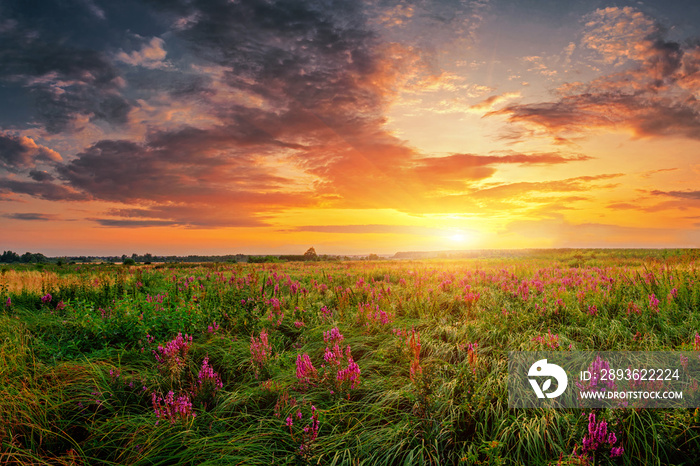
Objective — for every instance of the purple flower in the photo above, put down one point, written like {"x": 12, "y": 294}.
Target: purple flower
{"x": 46, "y": 298}
{"x": 207, "y": 376}
{"x": 616, "y": 451}
{"x": 598, "y": 437}
{"x": 333, "y": 336}
{"x": 654, "y": 302}
{"x": 172, "y": 408}
{"x": 305, "y": 369}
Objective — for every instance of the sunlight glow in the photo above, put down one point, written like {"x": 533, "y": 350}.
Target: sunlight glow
{"x": 459, "y": 237}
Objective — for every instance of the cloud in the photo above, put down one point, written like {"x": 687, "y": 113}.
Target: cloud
{"x": 41, "y": 190}
{"x": 618, "y": 34}
{"x": 67, "y": 83}
{"x": 375, "y": 229}
{"x": 471, "y": 167}
{"x": 652, "y": 96}
{"x": 194, "y": 215}
{"x": 622, "y": 206}
{"x": 30, "y": 216}
{"x": 151, "y": 55}
{"x": 490, "y": 102}
{"x": 576, "y": 184}
{"x": 42, "y": 175}
{"x": 189, "y": 164}
{"x": 19, "y": 153}
{"x": 692, "y": 195}
{"x": 286, "y": 102}
{"x": 536, "y": 64}
{"x": 649, "y": 173}
{"x": 640, "y": 206}
{"x": 430, "y": 24}
{"x": 121, "y": 223}
{"x": 260, "y": 107}
{"x": 95, "y": 10}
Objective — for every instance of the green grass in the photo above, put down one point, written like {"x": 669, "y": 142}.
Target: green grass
{"x": 61, "y": 405}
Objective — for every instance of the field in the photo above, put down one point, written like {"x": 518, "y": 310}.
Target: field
{"x": 364, "y": 362}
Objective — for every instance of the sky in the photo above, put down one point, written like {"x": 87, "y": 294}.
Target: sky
{"x": 263, "y": 126}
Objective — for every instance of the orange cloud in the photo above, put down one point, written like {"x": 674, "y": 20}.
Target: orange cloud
{"x": 489, "y": 103}
{"x": 576, "y": 184}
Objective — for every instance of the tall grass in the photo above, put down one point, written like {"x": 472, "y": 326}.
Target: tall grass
{"x": 78, "y": 368}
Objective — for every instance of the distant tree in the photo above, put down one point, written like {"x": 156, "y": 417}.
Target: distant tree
{"x": 40, "y": 258}
{"x": 129, "y": 261}
{"x": 373, "y": 257}
{"x": 10, "y": 256}
{"x": 310, "y": 254}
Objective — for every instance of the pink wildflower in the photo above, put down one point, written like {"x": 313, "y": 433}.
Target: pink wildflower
{"x": 305, "y": 369}
{"x": 653, "y": 302}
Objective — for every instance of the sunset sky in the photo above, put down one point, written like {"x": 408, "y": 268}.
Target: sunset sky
{"x": 253, "y": 126}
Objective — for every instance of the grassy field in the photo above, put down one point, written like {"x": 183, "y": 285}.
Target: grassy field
{"x": 332, "y": 362}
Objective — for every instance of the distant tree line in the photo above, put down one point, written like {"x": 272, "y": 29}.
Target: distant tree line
{"x": 309, "y": 256}
{"x": 10, "y": 257}
{"x": 149, "y": 258}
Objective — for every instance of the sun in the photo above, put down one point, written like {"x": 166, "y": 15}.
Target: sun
{"x": 458, "y": 237}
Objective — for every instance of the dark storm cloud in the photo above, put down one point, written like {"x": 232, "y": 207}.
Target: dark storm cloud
{"x": 37, "y": 175}
{"x": 311, "y": 61}
{"x": 13, "y": 153}
{"x": 65, "y": 80}
{"x": 188, "y": 165}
